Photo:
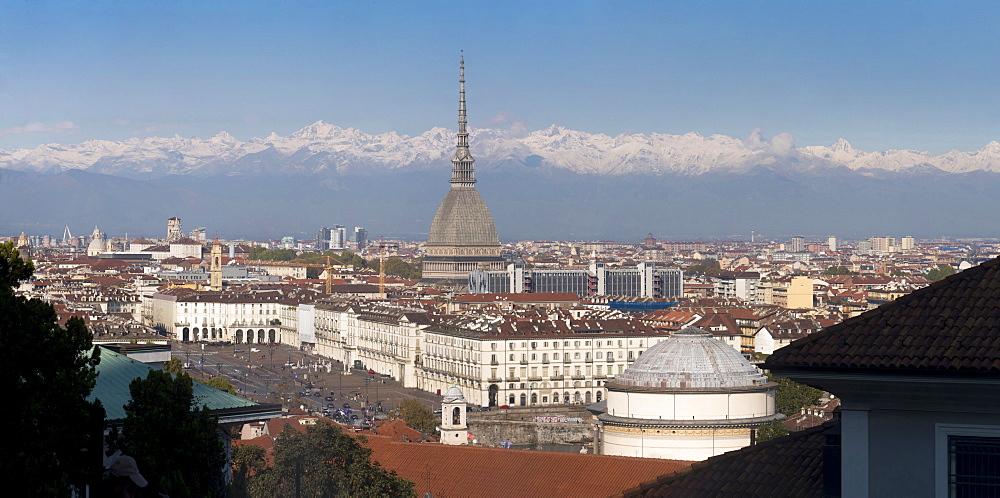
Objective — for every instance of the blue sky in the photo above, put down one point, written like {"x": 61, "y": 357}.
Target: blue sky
{"x": 883, "y": 75}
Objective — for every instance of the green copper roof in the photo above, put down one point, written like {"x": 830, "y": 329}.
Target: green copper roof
{"x": 116, "y": 372}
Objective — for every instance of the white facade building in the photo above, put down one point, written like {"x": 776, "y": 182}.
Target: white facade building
{"x": 243, "y": 317}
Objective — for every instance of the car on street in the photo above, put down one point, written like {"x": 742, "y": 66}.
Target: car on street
{"x": 254, "y": 350}
{"x": 347, "y": 406}
{"x": 371, "y": 371}
{"x": 329, "y": 398}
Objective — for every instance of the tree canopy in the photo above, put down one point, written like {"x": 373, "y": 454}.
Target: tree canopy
{"x": 839, "y": 270}
{"x": 53, "y": 434}
{"x": 792, "y": 396}
{"x": 940, "y": 273}
{"x": 323, "y": 461}
{"x": 176, "y": 444}
{"x": 417, "y": 416}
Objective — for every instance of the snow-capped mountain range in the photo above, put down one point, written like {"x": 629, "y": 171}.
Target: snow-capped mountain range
{"x": 323, "y": 148}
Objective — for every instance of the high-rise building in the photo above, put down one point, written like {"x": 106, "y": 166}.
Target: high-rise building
{"x": 831, "y": 242}
{"x": 360, "y": 237}
{"x": 338, "y": 238}
{"x": 463, "y": 236}
{"x": 323, "y": 239}
{"x": 907, "y": 243}
{"x": 798, "y": 244}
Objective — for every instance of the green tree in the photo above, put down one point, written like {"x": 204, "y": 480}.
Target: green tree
{"x": 770, "y": 431}
{"x": 839, "y": 270}
{"x": 176, "y": 444}
{"x": 174, "y": 366}
{"x": 262, "y": 254}
{"x": 220, "y": 383}
{"x": 400, "y": 268}
{"x": 48, "y": 372}
{"x": 248, "y": 462}
{"x": 324, "y": 461}
{"x": 940, "y": 273}
{"x": 417, "y": 416}
{"x": 792, "y": 396}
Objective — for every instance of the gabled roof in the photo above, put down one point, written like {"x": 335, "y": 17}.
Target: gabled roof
{"x": 950, "y": 327}
{"x": 787, "y": 466}
{"x": 116, "y": 372}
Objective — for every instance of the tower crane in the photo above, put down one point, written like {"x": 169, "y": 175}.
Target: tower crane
{"x": 382, "y": 246}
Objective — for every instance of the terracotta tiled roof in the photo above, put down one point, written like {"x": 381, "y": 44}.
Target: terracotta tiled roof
{"x": 477, "y": 471}
{"x": 786, "y": 466}
{"x": 952, "y": 326}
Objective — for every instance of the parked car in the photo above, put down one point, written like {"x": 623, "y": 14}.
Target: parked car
{"x": 347, "y": 406}
{"x": 329, "y": 398}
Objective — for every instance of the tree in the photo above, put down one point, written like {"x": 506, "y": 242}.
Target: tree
{"x": 174, "y": 366}
{"x": 324, "y": 461}
{"x": 417, "y": 416}
{"x": 771, "y": 430}
{"x": 220, "y": 383}
{"x": 400, "y": 268}
{"x": 175, "y": 443}
{"x": 248, "y": 462}
{"x": 792, "y": 396}
{"x": 940, "y": 273}
{"x": 839, "y": 270}
{"x": 47, "y": 373}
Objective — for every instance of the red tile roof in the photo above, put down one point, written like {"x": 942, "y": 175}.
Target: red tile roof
{"x": 950, "y": 327}
{"x": 445, "y": 470}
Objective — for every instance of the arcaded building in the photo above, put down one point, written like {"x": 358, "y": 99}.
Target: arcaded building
{"x": 689, "y": 397}
{"x": 463, "y": 236}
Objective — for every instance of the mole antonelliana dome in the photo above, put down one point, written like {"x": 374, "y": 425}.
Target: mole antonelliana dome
{"x": 689, "y": 397}
{"x": 463, "y": 219}
{"x": 691, "y": 358}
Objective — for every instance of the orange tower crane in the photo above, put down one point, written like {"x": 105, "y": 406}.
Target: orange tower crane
{"x": 383, "y": 245}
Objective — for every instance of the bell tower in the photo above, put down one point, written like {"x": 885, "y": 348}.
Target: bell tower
{"x": 215, "y": 272}
{"x": 453, "y": 427}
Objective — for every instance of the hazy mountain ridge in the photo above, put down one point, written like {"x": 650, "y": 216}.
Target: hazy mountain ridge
{"x": 326, "y": 149}
{"x": 531, "y": 204}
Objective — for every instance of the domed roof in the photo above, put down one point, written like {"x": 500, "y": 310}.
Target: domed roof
{"x": 96, "y": 246}
{"x": 454, "y": 395}
{"x": 691, "y": 359}
{"x": 463, "y": 219}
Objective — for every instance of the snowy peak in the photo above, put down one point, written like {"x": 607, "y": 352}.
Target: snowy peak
{"x": 324, "y": 148}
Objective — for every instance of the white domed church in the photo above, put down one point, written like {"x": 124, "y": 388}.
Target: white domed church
{"x": 689, "y": 397}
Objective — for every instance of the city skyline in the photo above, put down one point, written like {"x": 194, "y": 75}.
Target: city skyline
{"x": 888, "y": 76}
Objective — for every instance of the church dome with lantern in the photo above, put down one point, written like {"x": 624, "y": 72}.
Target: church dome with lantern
{"x": 689, "y": 397}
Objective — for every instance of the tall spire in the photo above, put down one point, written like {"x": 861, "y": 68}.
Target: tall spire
{"x": 462, "y": 172}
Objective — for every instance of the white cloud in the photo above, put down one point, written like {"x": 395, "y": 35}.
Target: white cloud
{"x": 54, "y": 128}
{"x": 782, "y": 144}
{"x": 121, "y": 122}
{"x": 518, "y": 129}
{"x": 147, "y": 130}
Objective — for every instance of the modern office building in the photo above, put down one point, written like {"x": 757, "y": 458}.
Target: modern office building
{"x": 643, "y": 280}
